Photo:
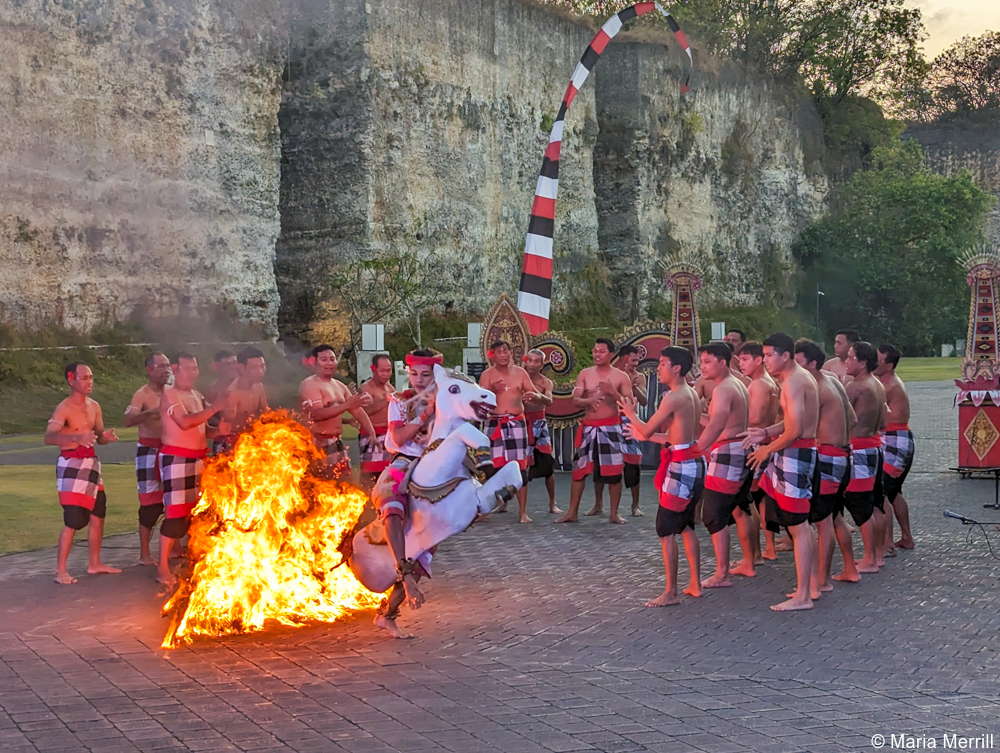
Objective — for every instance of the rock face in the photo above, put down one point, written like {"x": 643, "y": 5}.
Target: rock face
{"x": 971, "y": 145}
{"x": 414, "y": 127}
{"x": 139, "y": 156}
{"x": 724, "y": 177}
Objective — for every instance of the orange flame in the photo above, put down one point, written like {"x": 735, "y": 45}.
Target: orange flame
{"x": 264, "y": 539}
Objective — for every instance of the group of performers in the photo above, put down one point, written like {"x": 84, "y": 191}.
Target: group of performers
{"x": 770, "y": 435}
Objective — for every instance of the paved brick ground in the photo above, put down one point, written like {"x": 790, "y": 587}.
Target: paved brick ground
{"x": 534, "y": 639}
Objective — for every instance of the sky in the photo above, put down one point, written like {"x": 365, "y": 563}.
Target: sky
{"x": 947, "y": 21}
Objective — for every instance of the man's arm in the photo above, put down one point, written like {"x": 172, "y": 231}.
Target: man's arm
{"x": 759, "y": 403}
{"x": 578, "y": 399}
{"x": 135, "y": 414}
{"x": 184, "y": 420}
{"x": 402, "y": 432}
{"x": 312, "y": 396}
{"x": 55, "y": 436}
{"x": 643, "y": 430}
{"x": 364, "y": 420}
{"x": 262, "y": 406}
{"x": 717, "y": 416}
{"x": 791, "y": 426}
{"x": 639, "y": 390}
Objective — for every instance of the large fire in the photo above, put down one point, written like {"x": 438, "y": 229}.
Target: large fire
{"x": 264, "y": 539}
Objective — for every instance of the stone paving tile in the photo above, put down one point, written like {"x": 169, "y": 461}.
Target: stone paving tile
{"x": 534, "y": 639}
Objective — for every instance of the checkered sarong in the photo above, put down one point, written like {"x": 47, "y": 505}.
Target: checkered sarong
{"x": 508, "y": 440}
{"x": 539, "y": 437}
{"x": 598, "y": 443}
{"x": 180, "y": 470}
{"x": 727, "y": 466}
{"x": 374, "y": 457}
{"x": 631, "y": 448}
{"x": 337, "y": 455}
{"x": 832, "y": 465}
{"x": 78, "y": 477}
{"x": 865, "y": 462}
{"x": 788, "y": 479}
{"x": 147, "y": 473}
{"x": 681, "y": 471}
{"x": 899, "y": 449}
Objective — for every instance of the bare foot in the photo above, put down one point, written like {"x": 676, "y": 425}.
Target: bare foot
{"x": 637, "y": 513}
{"x": 665, "y": 599}
{"x": 847, "y": 578}
{"x": 147, "y": 561}
{"x": 814, "y": 595}
{"x": 759, "y": 559}
{"x": 890, "y": 552}
{"x": 553, "y": 510}
{"x": 390, "y": 627}
{"x": 825, "y": 587}
{"x": 617, "y": 519}
{"x": 867, "y": 567}
{"x": 716, "y": 581}
{"x": 595, "y": 510}
{"x": 769, "y": 554}
{"x": 167, "y": 579}
{"x": 783, "y": 545}
{"x": 525, "y": 519}
{"x": 793, "y": 605}
{"x": 905, "y": 544}
{"x": 879, "y": 562}
{"x": 65, "y": 579}
{"x": 566, "y": 519}
{"x": 100, "y": 568}
{"x": 745, "y": 569}
{"x": 414, "y": 598}
{"x": 693, "y": 590}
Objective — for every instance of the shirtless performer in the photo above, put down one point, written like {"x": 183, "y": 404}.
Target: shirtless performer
{"x": 898, "y": 446}
{"x": 599, "y": 441}
{"x": 411, "y": 421}
{"x": 722, "y": 441}
{"x": 681, "y": 475}
{"x": 245, "y": 400}
{"x": 836, "y": 419}
{"x": 628, "y": 361}
{"x": 842, "y": 343}
{"x": 75, "y": 427}
{"x": 374, "y": 457}
{"x": 324, "y": 400}
{"x": 144, "y": 412}
{"x": 765, "y": 397}
{"x": 225, "y": 366}
{"x": 867, "y": 396}
{"x": 736, "y": 339}
{"x": 539, "y": 438}
{"x": 184, "y": 417}
{"x": 507, "y": 428}
{"x": 788, "y": 479}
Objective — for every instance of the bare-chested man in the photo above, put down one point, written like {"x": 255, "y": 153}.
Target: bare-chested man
{"x": 411, "y": 422}
{"x": 246, "y": 398}
{"x": 680, "y": 478}
{"x": 628, "y": 361}
{"x": 184, "y": 417}
{"x": 599, "y": 441}
{"x": 225, "y": 366}
{"x": 867, "y": 396}
{"x": 324, "y": 400}
{"x": 736, "y": 339}
{"x": 722, "y": 441}
{"x": 898, "y": 446}
{"x": 542, "y": 465}
{"x": 842, "y": 343}
{"x": 788, "y": 478}
{"x": 144, "y": 412}
{"x": 765, "y": 406}
{"x": 507, "y": 428}
{"x": 836, "y": 419}
{"x": 75, "y": 427}
{"x": 375, "y": 458}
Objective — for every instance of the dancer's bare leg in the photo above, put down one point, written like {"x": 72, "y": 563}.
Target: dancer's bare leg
{"x": 550, "y": 487}
{"x": 522, "y": 504}
{"x": 720, "y": 578}
{"x": 95, "y": 537}
{"x": 598, "y": 507}
{"x": 824, "y": 553}
{"x": 867, "y": 563}
{"x": 693, "y": 551}
{"x": 745, "y": 530}
{"x": 575, "y": 493}
{"x": 769, "y": 550}
{"x": 888, "y": 546}
{"x": 145, "y": 554}
{"x": 878, "y": 533}
{"x": 846, "y": 543}
{"x": 396, "y": 538}
{"x": 163, "y": 573}
{"x": 669, "y": 597}
{"x": 63, "y": 577}
{"x": 636, "y": 512}
{"x": 805, "y": 552}
{"x": 902, "y": 511}
{"x": 387, "y": 623}
{"x": 615, "y": 492}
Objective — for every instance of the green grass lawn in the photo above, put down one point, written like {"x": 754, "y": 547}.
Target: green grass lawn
{"x": 32, "y": 515}
{"x": 929, "y": 369}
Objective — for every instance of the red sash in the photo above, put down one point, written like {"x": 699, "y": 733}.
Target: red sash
{"x": 669, "y": 455}
{"x": 504, "y": 418}
{"x": 866, "y": 443}
{"x": 80, "y": 452}
{"x": 183, "y": 452}
{"x": 609, "y": 421}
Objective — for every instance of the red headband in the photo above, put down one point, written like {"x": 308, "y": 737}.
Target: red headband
{"x": 412, "y": 360}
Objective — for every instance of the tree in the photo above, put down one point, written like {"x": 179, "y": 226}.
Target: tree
{"x": 887, "y": 255}
{"x": 965, "y": 78}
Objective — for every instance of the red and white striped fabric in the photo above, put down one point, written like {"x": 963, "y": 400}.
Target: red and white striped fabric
{"x": 535, "y": 291}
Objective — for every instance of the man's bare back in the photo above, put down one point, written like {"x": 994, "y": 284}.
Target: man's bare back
{"x": 896, "y": 399}
{"x": 867, "y": 396}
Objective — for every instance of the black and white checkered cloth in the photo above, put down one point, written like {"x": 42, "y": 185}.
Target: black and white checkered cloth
{"x": 508, "y": 440}
{"x": 789, "y": 477}
{"x": 147, "y": 475}
{"x": 540, "y": 437}
{"x": 631, "y": 448}
{"x": 599, "y": 446}
{"x": 831, "y": 469}
{"x": 374, "y": 457}
{"x": 78, "y": 479}
{"x": 727, "y": 466}
{"x": 899, "y": 448}
{"x": 337, "y": 455}
{"x": 865, "y": 462}
{"x": 181, "y": 484}
{"x": 682, "y": 477}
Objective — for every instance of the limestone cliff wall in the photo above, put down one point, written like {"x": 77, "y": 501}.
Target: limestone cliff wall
{"x": 419, "y": 127}
{"x": 724, "y": 177}
{"x": 139, "y": 158}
